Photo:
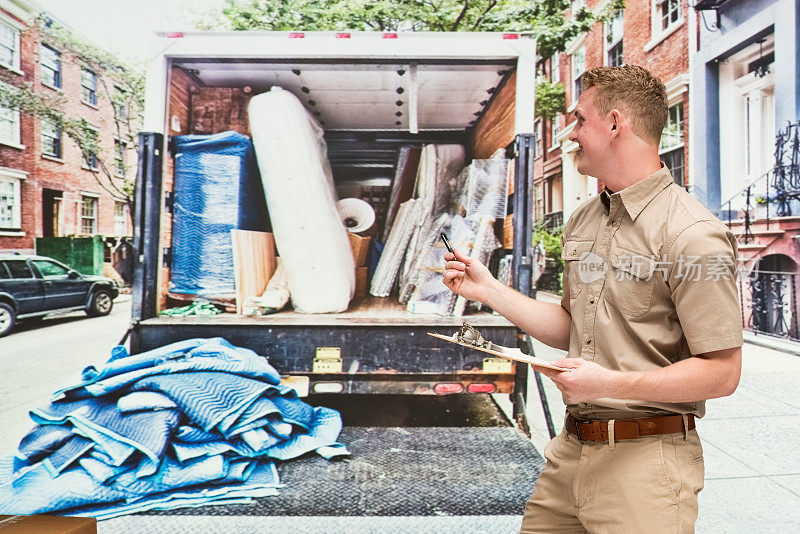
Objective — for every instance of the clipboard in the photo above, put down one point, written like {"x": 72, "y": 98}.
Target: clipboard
{"x": 504, "y": 352}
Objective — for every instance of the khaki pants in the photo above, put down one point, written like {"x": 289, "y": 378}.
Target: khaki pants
{"x": 649, "y": 484}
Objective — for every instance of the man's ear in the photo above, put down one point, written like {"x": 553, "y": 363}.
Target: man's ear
{"x": 615, "y": 121}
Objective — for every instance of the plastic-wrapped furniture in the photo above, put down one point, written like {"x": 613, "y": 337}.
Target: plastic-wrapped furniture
{"x": 310, "y": 236}
{"x": 217, "y": 189}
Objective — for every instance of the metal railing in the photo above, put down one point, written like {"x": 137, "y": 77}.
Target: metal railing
{"x": 553, "y": 220}
{"x": 780, "y": 186}
{"x": 769, "y": 302}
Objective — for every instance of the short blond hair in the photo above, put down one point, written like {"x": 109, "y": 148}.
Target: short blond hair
{"x": 635, "y": 90}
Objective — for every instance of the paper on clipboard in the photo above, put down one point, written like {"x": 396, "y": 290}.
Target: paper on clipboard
{"x": 504, "y": 352}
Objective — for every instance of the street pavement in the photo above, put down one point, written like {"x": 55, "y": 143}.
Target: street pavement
{"x": 749, "y": 440}
{"x": 37, "y": 358}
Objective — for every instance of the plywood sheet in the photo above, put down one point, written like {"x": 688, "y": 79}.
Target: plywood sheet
{"x": 253, "y": 263}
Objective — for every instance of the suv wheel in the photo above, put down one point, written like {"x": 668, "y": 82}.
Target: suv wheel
{"x": 7, "y": 318}
{"x": 101, "y": 304}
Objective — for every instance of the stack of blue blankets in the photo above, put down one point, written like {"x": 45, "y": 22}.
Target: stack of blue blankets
{"x": 193, "y": 423}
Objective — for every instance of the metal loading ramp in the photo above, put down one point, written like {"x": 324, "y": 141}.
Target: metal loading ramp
{"x": 398, "y": 479}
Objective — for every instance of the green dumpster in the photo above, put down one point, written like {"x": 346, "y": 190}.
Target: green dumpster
{"x": 84, "y": 254}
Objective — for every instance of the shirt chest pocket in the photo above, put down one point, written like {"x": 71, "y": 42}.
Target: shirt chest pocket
{"x": 631, "y": 280}
{"x": 572, "y": 253}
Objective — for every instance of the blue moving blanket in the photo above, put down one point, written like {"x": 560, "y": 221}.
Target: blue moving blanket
{"x": 194, "y": 423}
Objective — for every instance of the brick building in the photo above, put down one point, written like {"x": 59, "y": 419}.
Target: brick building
{"x": 652, "y": 33}
{"x": 47, "y": 188}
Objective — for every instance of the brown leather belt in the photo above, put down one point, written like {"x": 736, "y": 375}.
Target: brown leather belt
{"x": 627, "y": 428}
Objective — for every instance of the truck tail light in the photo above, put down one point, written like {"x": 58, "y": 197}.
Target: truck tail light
{"x": 390, "y": 36}
{"x": 343, "y": 36}
{"x": 297, "y": 35}
{"x": 444, "y": 389}
{"x": 174, "y": 35}
{"x": 511, "y": 36}
{"x": 481, "y": 388}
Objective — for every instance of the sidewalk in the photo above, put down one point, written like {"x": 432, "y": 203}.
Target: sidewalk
{"x": 750, "y": 447}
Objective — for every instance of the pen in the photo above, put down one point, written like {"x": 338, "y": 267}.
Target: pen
{"x": 447, "y": 244}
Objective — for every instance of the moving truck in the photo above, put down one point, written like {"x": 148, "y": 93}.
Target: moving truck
{"x": 372, "y": 93}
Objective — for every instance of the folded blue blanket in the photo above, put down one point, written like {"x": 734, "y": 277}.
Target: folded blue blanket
{"x": 193, "y": 423}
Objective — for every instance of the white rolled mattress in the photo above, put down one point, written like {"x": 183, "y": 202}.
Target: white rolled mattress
{"x": 309, "y": 233}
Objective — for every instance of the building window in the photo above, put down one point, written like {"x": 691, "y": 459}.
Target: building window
{"x": 9, "y": 204}
{"x": 578, "y": 68}
{"x": 51, "y": 67}
{"x": 671, "y": 146}
{"x": 88, "y": 215}
{"x": 667, "y": 12}
{"x": 120, "y": 104}
{"x": 119, "y": 158}
{"x": 120, "y": 226}
{"x": 9, "y": 126}
{"x": 91, "y": 161}
{"x": 9, "y": 46}
{"x": 88, "y": 87}
{"x": 614, "y": 33}
{"x": 553, "y": 131}
{"x": 555, "y": 74}
{"x": 51, "y": 139}
{"x": 539, "y": 142}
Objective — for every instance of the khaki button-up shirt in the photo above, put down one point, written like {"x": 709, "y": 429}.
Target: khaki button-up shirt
{"x": 649, "y": 280}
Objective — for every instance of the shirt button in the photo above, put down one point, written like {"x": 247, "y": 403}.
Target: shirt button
{"x": 588, "y": 341}
{"x": 591, "y": 301}
{"x": 615, "y": 223}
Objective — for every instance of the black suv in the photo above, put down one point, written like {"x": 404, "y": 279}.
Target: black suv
{"x": 33, "y": 286}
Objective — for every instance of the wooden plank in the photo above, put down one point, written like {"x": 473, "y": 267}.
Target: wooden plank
{"x": 496, "y": 127}
{"x": 253, "y": 263}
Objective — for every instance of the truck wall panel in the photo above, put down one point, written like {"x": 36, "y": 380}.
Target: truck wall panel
{"x": 496, "y": 127}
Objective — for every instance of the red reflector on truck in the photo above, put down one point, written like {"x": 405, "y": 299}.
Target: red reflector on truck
{"x": 174, "y": 35}
{"x": 510, "y": 36}
{"x": 481, "y": 388}
{"x": 343, "y": 36}
{"x": 297, "y": 35}
{"x": 390, "y": 36}
{"x": 444, "y": 389}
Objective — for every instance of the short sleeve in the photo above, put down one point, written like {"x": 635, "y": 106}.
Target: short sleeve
{"x": 702, "y": 268}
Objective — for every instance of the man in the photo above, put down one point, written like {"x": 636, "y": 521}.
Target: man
{"x": 650, "y": 318}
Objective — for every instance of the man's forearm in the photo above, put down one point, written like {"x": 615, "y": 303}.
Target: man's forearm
{"x": 545, "y": 321}
{"x": 693, "y": 379}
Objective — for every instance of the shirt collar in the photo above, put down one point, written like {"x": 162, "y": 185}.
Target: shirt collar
{"x": 636, "y": 196}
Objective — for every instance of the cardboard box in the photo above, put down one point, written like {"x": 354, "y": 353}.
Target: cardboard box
{"x": 49, "y": 524}
{"x": 361, "y": 281}
{"x": 360, "y": 246}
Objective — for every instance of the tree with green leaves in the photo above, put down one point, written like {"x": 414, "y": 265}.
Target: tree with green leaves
{"x": 544, "y": 19}
{"x": 120, "y": 84}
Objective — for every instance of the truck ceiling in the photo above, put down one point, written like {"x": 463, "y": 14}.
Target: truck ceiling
{"x": 412, "y": 82}
{"x": 370, "y": 96}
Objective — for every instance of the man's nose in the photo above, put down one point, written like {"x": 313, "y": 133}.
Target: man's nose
{"x": 573, "y": 135}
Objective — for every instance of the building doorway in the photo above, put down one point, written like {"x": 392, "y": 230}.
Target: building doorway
{"x": 52, "y": 216}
